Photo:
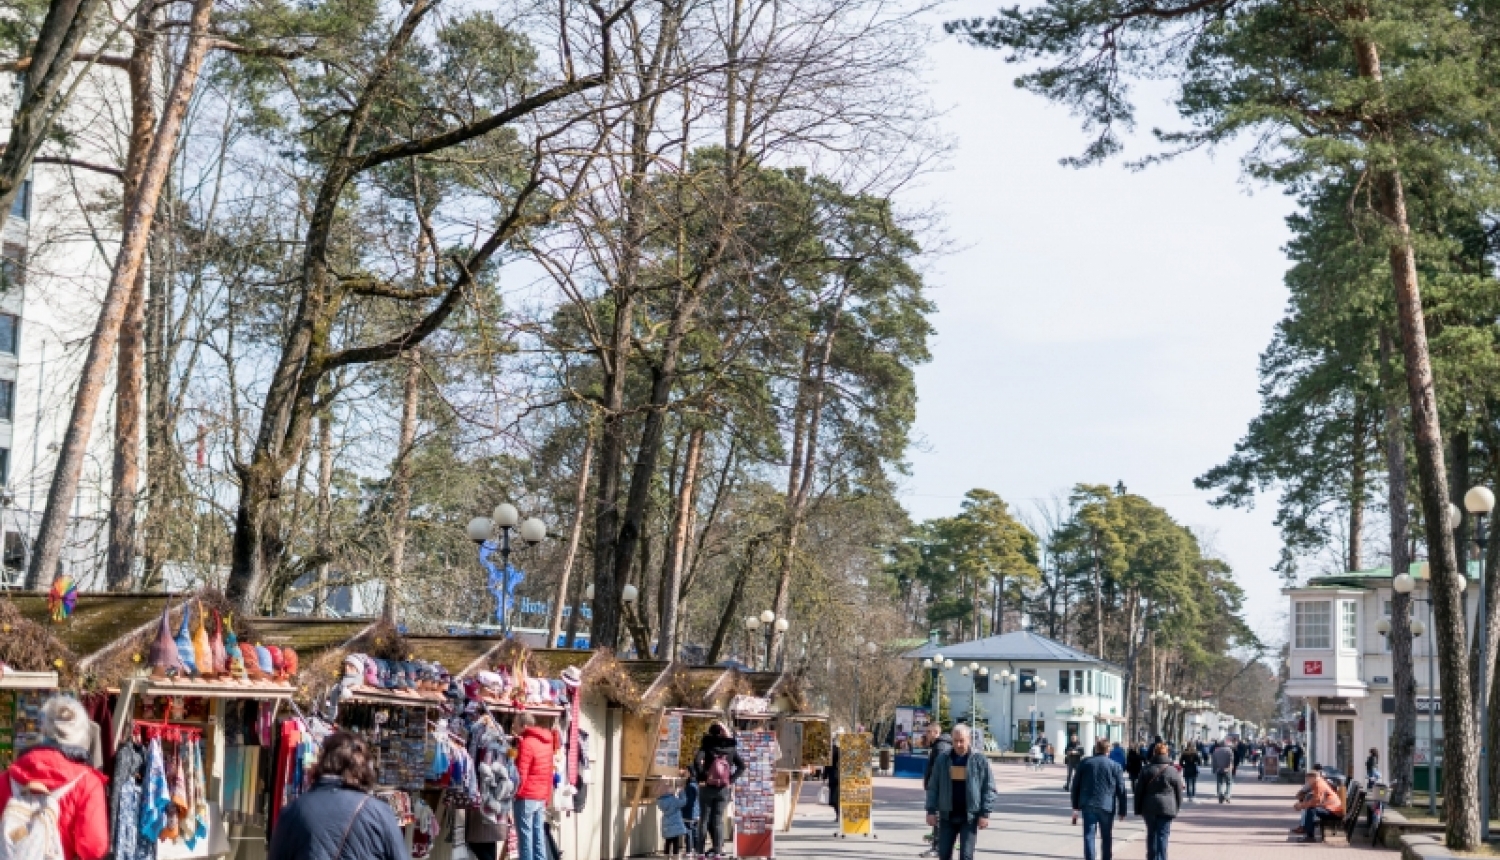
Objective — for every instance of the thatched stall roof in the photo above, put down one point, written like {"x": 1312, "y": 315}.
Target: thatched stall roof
{"x": 27, "y": 646}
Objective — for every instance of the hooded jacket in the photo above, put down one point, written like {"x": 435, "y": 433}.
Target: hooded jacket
{"x": 716, "y": 747}
{"x": 534, "y": 764}
{"x": 672, "y": 806}
{"x": 315, "y": 825}
{"x": 944, "y": 743}
{"x": 83, "y": 816}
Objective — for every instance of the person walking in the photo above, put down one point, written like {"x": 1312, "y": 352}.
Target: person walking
{"x": 938, "y": 742}
{"x": 1372, "y": 768}
{"x": 1117, "y": 754}
{"x": 1222, "y": 761}
{"x": 958, "y": 797}
{"x": 718, "y": 765}
{"x": 339, "y": 818}
{"x": 1134, "y": 764}
{"x": 1241, "y": 751}
{"x": 534, "y": 751}
{"x": 1099, "y": 794}
{"x": 1158, "y": 797}
{"x": 1190, "y": 762}
{"x": 58, "y": 771}
{"x": 1072, "y": 755}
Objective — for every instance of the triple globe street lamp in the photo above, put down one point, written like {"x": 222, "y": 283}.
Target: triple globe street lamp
{"x": 493, "y": 533}
{"x": 772, "y": 624}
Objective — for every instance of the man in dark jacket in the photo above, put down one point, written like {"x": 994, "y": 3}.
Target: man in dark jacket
{"x": 717, "y": 765}
{"x": 1072, "y": 755}
{"x": 1222, "y": 760}
{"x": 1158, "y": 796}
{"x": 958, "y": 796}
{"x": 1099, "y": 793}
{"x": 938, "y": 742}
{"x": 1134, "y": 763}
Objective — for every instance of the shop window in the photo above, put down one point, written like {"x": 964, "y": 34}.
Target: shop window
{"x": 1312, "y": 623}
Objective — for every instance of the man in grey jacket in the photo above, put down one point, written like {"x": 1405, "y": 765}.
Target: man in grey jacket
{"x": 958, "y": 796}
{"x": 1099, "y": 793}
{"x": 1222, "y": 759}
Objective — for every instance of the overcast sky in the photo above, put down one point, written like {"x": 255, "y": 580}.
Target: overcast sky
{"x": 1094, "y": 325}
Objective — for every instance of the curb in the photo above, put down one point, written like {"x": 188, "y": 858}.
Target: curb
{"x": 1419, "y": 846}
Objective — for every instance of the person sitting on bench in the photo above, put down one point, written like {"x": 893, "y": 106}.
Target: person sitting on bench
{"x": 1317, "y": 802}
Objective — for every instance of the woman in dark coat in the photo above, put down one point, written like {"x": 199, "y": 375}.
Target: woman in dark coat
{"x": 339, "y": 819}
{"x": 1190, "y": 761}
{"x": 1158, "y": 796}
{"x": 831, "y": 774}
{"x": 713, "y": 798}
{"x": 1133, "y": 765}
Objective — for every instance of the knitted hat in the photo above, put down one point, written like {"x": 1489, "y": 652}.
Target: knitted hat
{"x": 276, "y": 663}
{"x": 164, "y": 658}
{"x": 252, "y": 664}
{"x": 65, "y": 722}
{"x": 263, "y": 660}
{"x": 289, "y": 661}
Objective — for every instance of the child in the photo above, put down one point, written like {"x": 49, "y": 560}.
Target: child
{"x": 690, "y": 810}
{"x": 673, "y": 828}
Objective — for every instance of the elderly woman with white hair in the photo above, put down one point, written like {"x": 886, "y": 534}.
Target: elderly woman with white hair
{"x": 958, "y": 796}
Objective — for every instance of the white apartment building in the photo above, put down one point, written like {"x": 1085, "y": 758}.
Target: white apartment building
{"x": 1082, "y": 694}
{"x": 1340, "y": 666}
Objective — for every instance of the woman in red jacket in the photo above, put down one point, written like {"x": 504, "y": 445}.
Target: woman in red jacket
{"x": 534, "y": 749}
{"x": 62, "y": 763}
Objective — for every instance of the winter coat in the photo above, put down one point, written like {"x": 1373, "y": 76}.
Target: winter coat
{"x": 1158, "y": 793}
{"x": 1134, "y": 763}
{"x": 313, "y": 826}
{"x": 943, "y": 744}
{"x": 709, "y": 749}
{"x": 83, "y": 814}
{"x": 671, "y": 806}
{"x": 979, "y": 786}
{"x": 1222, "y": 758}
{"x": 534, "y": 763}
{"x": 1190, "y": 762}
{"x": 690, "y": 795}
{"x": 1117, "y": 755}
{"x": 1099, "y": 783}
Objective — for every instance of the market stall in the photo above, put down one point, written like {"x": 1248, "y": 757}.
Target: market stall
{"x": 806, "y": 745}
{"x": 22, "y": 695}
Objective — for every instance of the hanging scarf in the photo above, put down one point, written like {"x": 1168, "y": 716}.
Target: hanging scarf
{"x": 178, "y": 810}
{"x": 157, "y": 797}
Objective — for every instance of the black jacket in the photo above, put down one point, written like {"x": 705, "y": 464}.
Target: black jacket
{"x": 1134, "y": 763}
{"x": 1190, "y": 762}
{"x": 314, "y": 825}
{"x": 1158, "y": 792}
{"x": 943, "y": 744}
{"x": 708, "y": 750}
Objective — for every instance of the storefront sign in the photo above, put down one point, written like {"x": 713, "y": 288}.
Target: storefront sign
{"x": 1072, "y": 712}
{"x": 1424, "y": 704}
{"x": 1312, "y": 667}
{"x": 1381, "y": 679}
{"x": 1336, "y": 706}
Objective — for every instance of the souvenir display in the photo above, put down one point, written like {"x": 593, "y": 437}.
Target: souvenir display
{"x": 817, "y": 744}
{"x": 856, "y": 790}
{"x": 668, "y": 744}
{"x": 694, "y": 727}
{"x": 20, "y": 722}
{"x": 755, "y": 795}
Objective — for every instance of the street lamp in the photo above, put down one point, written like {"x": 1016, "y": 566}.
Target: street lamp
{"x": 1404, "y": 584}
{"x": 1480, "y": 501}
{"x": 773, "y": 625}
{"x": 1036, "y": 703}
{"x": 861, "y": 648}
{"x": 483, "y": 531}
{"x": 1005, "y": 681}
{"x": 934, "y": 664}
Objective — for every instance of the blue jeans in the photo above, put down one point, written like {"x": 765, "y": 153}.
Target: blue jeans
{"x": 1310, "y": 817}
{"x": 1225, "y": 783}
{"x": 1104, "y": 821}
{"x": 1192, "y": 784}
{"x": 1157, "y": 831}
{"x": 531, "y": 829}
{"x": 964, "y": 830}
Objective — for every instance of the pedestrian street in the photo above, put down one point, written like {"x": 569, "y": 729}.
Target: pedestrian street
{"x": 1033, "y": 819}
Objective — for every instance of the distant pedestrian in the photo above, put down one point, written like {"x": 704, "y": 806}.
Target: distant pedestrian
{"x": 958, "y": 797}
{"x": 1072, "y": 755}
{"x": 1134, "y": 764}
{"x": 1222, "y": 761}
{"x": 1190, "y": 762}
{"x": 1117, "y": 754}
{"x": 1241, "y": 752}
{"x": 1036, "y": 755}
{"x": 1099, "y": 794}
{"x": 1372, "y": 767}
{"x": 1158, "y": 797}
{"x": 938, "y": 743}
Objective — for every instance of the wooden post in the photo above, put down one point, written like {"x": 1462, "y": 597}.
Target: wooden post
{"x": 796, "y": 793}
{"x": 640, "y": 786}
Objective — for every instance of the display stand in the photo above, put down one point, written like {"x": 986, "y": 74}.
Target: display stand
{"x": 22, "y": 695}
{"x": 755, "y": 795}
{"x": 856, "y": 787}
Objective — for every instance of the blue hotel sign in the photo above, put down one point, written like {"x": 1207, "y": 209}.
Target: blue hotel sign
{"x": 543, "y": 608}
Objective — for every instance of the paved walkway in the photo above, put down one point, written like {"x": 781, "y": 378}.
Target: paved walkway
{"x": 1033, "y": 820}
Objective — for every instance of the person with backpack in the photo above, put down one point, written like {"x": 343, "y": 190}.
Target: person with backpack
{"x": 1158, "y": 797}
{"x": 718, "y": 765}
{"x": 339, "y": 819}
{"x": 51, "y": 796}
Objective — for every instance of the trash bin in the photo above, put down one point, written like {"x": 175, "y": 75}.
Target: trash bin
{"x": 885, "y": 759}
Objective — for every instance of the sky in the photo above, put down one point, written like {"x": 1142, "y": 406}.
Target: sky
{"x": 1094, "y": 325}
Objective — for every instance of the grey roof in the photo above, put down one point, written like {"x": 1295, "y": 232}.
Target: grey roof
{"x": 1020, "y": 645}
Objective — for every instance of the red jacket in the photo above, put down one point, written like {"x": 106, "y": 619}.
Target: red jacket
{"x": 84, "y": 816}
{"x": 534, "y": 764}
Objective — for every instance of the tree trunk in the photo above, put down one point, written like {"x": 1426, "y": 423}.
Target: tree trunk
{"x": 681, "y": 535}
{"x": 164, "y": 480}
{"x": 63, "y": 30}
{"x": 130, "y": 378}
{"x": 1357, "y": 488}
{"x": 1403, "y": 674}
{"x": 726, "y": 626}
{"x": 324, "y": 544}
{"x": 580, "y": 501}
{"x": 401, "y": 483}
{"x": 128, "y": 263}
{"x": 1098, "y": 602}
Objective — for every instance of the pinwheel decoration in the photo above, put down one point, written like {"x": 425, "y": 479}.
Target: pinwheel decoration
{"x": 62, "y": 598}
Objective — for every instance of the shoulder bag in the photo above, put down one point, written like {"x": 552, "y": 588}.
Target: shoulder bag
{"x": 338, "y": 855}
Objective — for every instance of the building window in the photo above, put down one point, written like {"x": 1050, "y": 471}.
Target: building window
{"x": 10, "y": 329}
{"x": 7, "y": 399}
{"x": 1062, "y": 680}
{"x": 21, "y": 206}
{"x": 1312, "y": 625}
{"x": 1089, "y": 679}
{"x": 4, "y": 467}
{"x": 1026, "y": 681}
{"x": 982, "y": 682}
{"x": 1349, "y": 625}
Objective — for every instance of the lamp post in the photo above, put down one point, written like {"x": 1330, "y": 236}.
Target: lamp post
{"x": 861, "y": 648}
{"x": 1036, "y": 702}
{"x": 1480, "y": 501}
{"x": 484, "y": 531}
{"x": 1405, "y": 584}
{"x": 971, "y": 671}
{"x": 933, "y": 665}
{"x": 772, "y": 625}
{"x": 1005, "y": 681}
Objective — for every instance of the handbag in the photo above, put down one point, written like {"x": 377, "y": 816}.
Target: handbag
{"x": 337, "y": 855}
{"x": 1150, "y": 785}
{"x": 823, "y": 796}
